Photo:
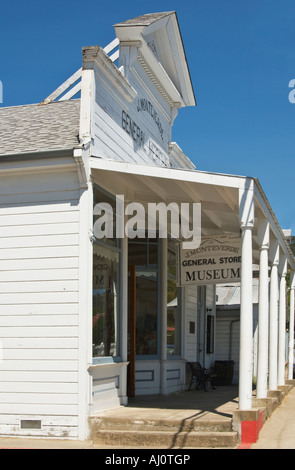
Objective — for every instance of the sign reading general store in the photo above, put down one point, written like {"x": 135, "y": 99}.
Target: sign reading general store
{"x": 216, "y": 261}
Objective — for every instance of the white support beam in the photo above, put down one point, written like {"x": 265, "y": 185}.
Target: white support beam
{"x": 291, "y": 328}
{"x": 273, "y": 317}
{"x": 246, "y": 199}
{"x": 164, "y": 280}
{"x": 263, "y": 309}
{"x": 282, "y": 323}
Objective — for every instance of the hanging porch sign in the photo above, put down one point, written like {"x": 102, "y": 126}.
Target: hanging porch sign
{"x": 216, "y": 261}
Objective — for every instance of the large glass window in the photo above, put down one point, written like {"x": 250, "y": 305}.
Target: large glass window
{"x": 146, "y": 312}
{"x": 143, "y": 254}
{"x": 105, "y": 301}
{"x": 106, "y": 282}
{"x": 173, "y": 304}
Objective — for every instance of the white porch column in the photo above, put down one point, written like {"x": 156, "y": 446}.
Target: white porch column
{"x": 291, "y": 327}
{"x": 282, "y": 324}
{"x": 263, "y": 306}
{"x": 164, "y": 257}
{"x": 124, "y": 298}
{"x": 124, "y": 315}
{"x": 246, "y": 197}
{"x": 273, "y": 319}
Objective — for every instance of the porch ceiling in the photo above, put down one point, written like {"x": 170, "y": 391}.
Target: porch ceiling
{"x": 217, "y": 193}
{"x": 219, "y": 205}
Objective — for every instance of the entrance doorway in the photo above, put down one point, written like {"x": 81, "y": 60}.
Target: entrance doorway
{"x": 143, "y": 318}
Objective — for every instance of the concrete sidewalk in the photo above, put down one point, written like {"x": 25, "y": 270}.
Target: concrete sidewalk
{"x": 215, "y": 406}
{"x": 278, "y": 431}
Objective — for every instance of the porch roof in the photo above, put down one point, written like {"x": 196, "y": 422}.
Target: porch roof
{"x": 218, "y": 194}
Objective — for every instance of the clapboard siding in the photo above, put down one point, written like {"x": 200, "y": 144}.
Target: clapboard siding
{"x": 39, "y": 283}
{"x": 110, "y": 139}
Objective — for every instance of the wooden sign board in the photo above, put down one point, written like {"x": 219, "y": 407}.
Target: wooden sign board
{"x": 216, "y": 261}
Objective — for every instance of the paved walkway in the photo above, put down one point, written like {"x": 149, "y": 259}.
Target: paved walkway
{"x": 199, "y": 405}
{"x": 278, "y": 431}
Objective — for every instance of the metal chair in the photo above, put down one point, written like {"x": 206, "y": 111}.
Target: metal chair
{"x": 201, "y": 376}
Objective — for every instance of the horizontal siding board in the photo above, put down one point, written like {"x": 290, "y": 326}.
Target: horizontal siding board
{"x": 46, "y": 431}
{"x": 64, "y": 420}
{"x": 40, "y": 309}
{"x": 39, "y": 398}
{"x": 39, "y": 218}
{"x": 37, "y": 230}
{"x": 39, "y": 343}
{"x": 39, "y": 275}
{"x": 56, "y": 181}
{"x": 34, "y": 197}
{"x": 39, "y": 207}
{"x": 45, "y": 387}
{"x": 38, "y": 286}
{"x": 38, "y": 376}
{"x": 42, "y": 354}
{"x": 39, "y": 241}
{"x": 38, "y": 365}
{"x": 38, "y": 320}
{"x": 40, "y": 409}
{"x": 48, "y": 297}
{"x": 41, "y": 264}
{"x": 38, "y": 252}
{"x": 39, "y": 332}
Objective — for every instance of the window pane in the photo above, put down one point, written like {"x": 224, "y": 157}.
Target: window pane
{"x": 104, "y": 223}
{"x": 146, "y": 312}
{"x": 173, "y": 304}
{"x": 105, "y": 301}
{"x": 210, "y": 334}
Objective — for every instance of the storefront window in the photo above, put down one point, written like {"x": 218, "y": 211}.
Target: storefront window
{"x": 106, "y": 282}
{"x": 143, "y": 254}
{"x": 105, "y": 302}
{"x": 173, "y": 304}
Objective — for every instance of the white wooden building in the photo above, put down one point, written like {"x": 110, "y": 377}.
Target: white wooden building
{"x": 87, "y": 322}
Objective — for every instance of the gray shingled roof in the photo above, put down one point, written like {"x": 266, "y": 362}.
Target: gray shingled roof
{"x": 145, "y": 20}
{"x": 35, "y": 128}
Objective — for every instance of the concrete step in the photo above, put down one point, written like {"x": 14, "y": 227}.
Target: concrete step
{"x": 122, "y": 431}
{"x": 99, "y": 423}
{"x": 165, "y": 439}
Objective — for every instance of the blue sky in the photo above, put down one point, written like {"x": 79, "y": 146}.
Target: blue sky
{"x": 241, "y": 55}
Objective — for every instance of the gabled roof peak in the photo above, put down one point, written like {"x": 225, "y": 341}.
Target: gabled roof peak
{"x": 158, "y": 39}
{"x": 145, "y": 20}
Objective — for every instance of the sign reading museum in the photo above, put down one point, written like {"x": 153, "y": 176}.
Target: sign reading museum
{"x": 216, "y": 261}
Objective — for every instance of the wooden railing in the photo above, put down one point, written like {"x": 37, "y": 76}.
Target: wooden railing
{"x": 72, "y": 85}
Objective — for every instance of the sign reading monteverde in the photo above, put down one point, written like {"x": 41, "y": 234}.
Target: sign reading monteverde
{"x": 144, "y": 105}
{"x": 216, "y": 261}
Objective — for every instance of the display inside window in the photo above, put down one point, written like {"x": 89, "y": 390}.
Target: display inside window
{"x": 146, "y": 312}
{"x": 173, "y": 304}
{"x": 105, "y": 301}
{"x": 143, "y": 255}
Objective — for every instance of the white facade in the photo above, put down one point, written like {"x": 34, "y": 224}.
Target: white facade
{"x": 65, "y": 324}
{"x": 39, "y": 298}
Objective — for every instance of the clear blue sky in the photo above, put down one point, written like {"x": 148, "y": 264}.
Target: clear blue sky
{"x": 241, "y": 55}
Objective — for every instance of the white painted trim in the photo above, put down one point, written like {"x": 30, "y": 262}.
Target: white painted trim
{"x": 96, "y": 55}
{"x": 216, "y": 179}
